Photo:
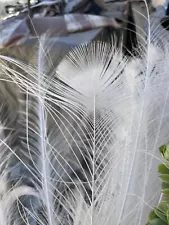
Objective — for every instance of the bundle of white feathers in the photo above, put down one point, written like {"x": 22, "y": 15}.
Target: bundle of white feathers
{"x": 85, "y": 138}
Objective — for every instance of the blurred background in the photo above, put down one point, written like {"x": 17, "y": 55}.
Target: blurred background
{"x": 139, "y": 4}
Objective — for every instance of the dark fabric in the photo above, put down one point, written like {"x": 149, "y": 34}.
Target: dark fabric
{"x": 94, "y": 9}
{"x": 62, "y": 26}
{"x": 16, "y": 30}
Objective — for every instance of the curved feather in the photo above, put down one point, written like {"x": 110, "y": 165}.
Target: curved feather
{"x": 125, "y": 112}
{"x": 88, "y": 134}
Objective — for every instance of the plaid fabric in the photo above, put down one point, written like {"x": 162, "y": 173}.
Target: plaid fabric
{"x": 62, "y": 6}
{"x": 78, "y": 22}
{"x": 117, "y": 9}
{"x": 17, "y": 29}
{"x": 14, "y": 31}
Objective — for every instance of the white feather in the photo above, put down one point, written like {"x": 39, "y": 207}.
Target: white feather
{"x": 129, "y": 116}
{"x": 126, "y": 119}
{"x": 93, "y": 133}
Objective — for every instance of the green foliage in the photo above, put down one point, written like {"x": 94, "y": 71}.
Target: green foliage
{"x": 160, "y": 214}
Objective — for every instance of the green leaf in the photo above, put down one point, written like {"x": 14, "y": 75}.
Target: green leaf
{"x": 152, "y": 215}
{"x": 167, "y": 215}
{"x": 160, "y": 211}
{"x": 165, "y": 199}
{"x": 164, "y": 178}
{"x": 166, "y": 203}
{"x": 166, "y": 192}
{"x": 163, "y": 169}
{"x": 163, "y": 207}
{"x": 160, "y": 214}
{"x": 164, "y": 186}
{"x": 157, "y": 222}
{"x": 164, "y": 150}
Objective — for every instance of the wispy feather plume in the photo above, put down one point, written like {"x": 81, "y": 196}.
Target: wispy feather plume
{"x": 124, "y": 108}
{"x": 121, "y": 106}
{"x": 89, "y": 134}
